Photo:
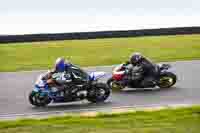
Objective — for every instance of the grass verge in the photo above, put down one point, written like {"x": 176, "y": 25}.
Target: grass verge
{"x": 181, "y": 120}
{"x": 41, "y": 55}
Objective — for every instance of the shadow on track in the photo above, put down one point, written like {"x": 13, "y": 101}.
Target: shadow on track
{"x": 81, "y": 105}
{"x": 85, "y": 105}
{"x": 149, "y": 90}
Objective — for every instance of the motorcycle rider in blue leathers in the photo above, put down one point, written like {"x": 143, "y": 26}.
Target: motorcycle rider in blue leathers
{"x": 60, "y": 68}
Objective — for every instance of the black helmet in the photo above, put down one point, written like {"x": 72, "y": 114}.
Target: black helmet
{"x": 135, "y": 58}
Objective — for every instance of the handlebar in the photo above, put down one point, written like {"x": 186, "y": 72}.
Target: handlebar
{"x": 164, "y": 66}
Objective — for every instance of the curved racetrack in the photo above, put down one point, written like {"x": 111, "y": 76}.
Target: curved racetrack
{"x": 15, "y": 86}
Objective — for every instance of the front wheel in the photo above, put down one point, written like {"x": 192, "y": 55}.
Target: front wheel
{"x": 167, "y": 80}
{"x": 112, "y": 84}
{"x": 98, "y": 93}
{"x": 39, "y": 99}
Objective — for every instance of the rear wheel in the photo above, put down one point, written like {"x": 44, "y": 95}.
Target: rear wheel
{"x": 167, "y": 80}
{"x": 98, "y": 93}
{"x": 39, "y": 99}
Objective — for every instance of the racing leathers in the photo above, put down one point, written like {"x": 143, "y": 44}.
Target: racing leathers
{"x": 148, "y": 72}
{"x": 57, "y": 79}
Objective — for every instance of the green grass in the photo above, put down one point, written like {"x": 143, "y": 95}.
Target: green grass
{"x": 182, "y": 120}
{"x": 41, "y": 55}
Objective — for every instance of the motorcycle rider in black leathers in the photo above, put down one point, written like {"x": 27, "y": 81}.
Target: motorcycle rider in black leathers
{"x": 149, "y": 70}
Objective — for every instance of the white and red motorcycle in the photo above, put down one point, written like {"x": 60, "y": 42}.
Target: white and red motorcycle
{"x": 165, "y": 78}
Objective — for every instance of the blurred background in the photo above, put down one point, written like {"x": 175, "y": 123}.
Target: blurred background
{"x": 58, "y": 16}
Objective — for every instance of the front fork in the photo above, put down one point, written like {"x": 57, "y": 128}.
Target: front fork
{"x": 41, "y": 93}
{"x": 117, "y": 84}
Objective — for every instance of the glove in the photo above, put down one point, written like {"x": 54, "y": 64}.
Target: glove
{"x": 126, "y": 71}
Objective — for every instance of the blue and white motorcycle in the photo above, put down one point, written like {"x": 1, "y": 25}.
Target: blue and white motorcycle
{"x": 83, "y": 86}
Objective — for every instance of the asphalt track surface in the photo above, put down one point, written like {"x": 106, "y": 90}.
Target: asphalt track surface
{"x": 15, "y": 86}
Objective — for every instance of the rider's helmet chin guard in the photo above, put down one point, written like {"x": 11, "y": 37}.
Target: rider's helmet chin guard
{"x": 67, "y": 64}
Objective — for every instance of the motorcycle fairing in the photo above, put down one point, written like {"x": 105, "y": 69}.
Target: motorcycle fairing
{"x": 97, "y": 75}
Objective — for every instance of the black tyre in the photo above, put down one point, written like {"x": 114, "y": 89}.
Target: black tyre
{"x": 98, "y": 93}
{"x": 167, "y": 80}
{"x": 32, "y": 98}
{"x": 109, "y": 82}
{"x": 113, "y": 85}
{"x": 36, "y": 99}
